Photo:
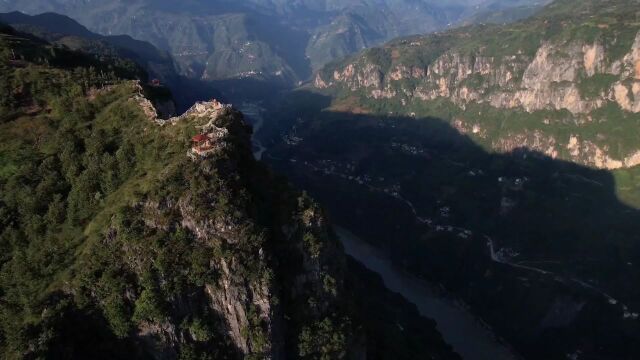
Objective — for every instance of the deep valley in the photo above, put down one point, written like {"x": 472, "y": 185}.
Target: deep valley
{"x": 366, "y": 179}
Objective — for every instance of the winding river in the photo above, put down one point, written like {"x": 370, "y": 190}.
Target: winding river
{"x": 459, "y": 328}
{"x": 254, "y": 113}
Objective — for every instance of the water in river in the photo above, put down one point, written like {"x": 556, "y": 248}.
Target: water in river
{"x": 254, "y": 113}
{"x": 460, "y": 329}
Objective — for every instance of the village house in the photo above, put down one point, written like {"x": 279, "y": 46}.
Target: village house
{"x": 201, "y": 143}
{"x": 205, "y": 144}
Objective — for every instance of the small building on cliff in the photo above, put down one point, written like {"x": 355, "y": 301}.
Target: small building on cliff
{"x": 208, "y": 143}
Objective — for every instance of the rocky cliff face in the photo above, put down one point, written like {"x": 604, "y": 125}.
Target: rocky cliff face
{"x": 270, "y": 265}
{"x": 547, "y": 81}
{"x": 553, "y": 71}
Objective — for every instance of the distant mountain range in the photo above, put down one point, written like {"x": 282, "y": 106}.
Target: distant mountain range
{"x": 118, "y": 242}
{"x": 281, "y": 41}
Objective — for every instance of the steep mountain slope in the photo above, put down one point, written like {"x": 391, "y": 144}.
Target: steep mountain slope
{"x": 158, "y": 64}
{"x": 481, "y": 158}
{"x": 120, "y": 241}
{"x": 62, "y": 30}
{"x": 275, "y": 40}
{"x": 505, "y": 11}
{"x": 563, "y": 82}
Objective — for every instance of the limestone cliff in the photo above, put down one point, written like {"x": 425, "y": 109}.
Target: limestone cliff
{"x": 577, "y": 70}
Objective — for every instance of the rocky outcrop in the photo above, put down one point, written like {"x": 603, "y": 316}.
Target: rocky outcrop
{"x": 153, "y": 109}
{"x": 234, "y": 300}
{"x": 579, "y": 150}
{"x": 163, "y": 112}
{"x": 535, "y": 140}
{"x": 319, "y": 83}
{"x": 598, "y": 157}
{"x": 245, "y": 300}
{"x": 627, "y": 96}
{"x": 564, "y": 76}
{"x": 594, "y": 57}
{"x": 369, "y": 76}
{"x": 548, "y": 81}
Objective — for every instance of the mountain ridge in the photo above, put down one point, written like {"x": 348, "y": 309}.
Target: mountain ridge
{"x": 124, "y": 237}
{"x": 193, "y": 24}
{"x": 538, "y": 69}
{"x": 64, "y": 30}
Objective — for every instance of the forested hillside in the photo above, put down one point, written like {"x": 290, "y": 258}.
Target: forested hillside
{"x": 563, "y": 82}
{"x": 119, "y": 240}
{"x": 158, "y": 65}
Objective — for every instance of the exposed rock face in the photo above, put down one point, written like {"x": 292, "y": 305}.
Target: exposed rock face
{"x": 155, "y": 111}
{"x": 239, "y": 301}
{"x": 535, "y": 140}
{"x": 248, "y": 297}
{"x": 233, "y": 300}
{"x": 553, "y": 78}
{"x": 548, "y": 81}
{"x": 597, "y": 156}
{"x": 370, "y": 76}
{"x": 593, "y": 58}
{"x": 319, "y": 83}
{"x": 164, "y": 112}
{"x": 632, "y": 60}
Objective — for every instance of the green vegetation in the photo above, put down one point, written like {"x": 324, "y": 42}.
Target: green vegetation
{"x": 109, "y": 229}
{"x": 566, "y": 26}
{"x": 432, "y": 181}
{"x": 68, "y": 160}
{"x": 323, "y": 341}
{"x": 613, "y": 25}
{"x": 596, "y": 85}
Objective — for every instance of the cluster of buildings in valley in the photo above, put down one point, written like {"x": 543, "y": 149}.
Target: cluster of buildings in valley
{"x": 410, "y": 149}
{"x": 291, "y": 138}
{"x": 191, "y": 52}
{"x": 515, "y": 184}
{"x": 347, "y": 171}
